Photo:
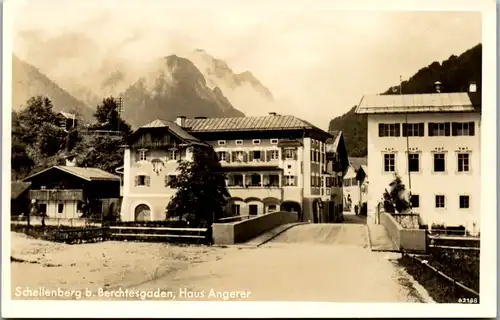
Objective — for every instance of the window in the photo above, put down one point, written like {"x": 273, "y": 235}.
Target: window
{"x": 169, "y": 179}
{"x": 389, "y": 130}
{"x": 439, "y": 129}
{"x": 236, "y": 209}
{"x": 274, "y": 155}
{"x": 413, "y": 129}
{"x": 274, "y": 141}
{"x": 239, "y": 156}
{"x": 463, "y": 162}
{"x": 222, "y": 156}
{"x": 389, "y": 162}
{"x": 413, "y": 162}
{"x": 439, "y": 162}
{"x": 274, "y": 180}
{"x": 222, "y": 142}
{"x": 142, "y": 155}
{"x": 464, "y": 202}
{"x": 290, "y": 154}
{"x": 173, "y": 154}
{"x": 256, "y": 155}
{"x": 271, "y": 208}
{"x": 238, "y": 142}
{"x": 290, "y": 180}
{"x": 142, "y": 180}
{"x": 256, "y": 141}
{"x": 462, "y": 128}
{"x": 43, "y": 187}
{"x": 415, "y": 201}
{"x": 439, "y": 201}
{"x": 60, "y": 207}
{"x": 255, "y": 180}
{"x": 236, "y": 180}
{"x": 42, "y": 207}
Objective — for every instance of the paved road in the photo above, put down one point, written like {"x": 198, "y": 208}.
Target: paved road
{"x": 312, "y": 262}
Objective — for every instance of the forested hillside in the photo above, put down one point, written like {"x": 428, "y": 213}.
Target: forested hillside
{"x": 455, "y": 74}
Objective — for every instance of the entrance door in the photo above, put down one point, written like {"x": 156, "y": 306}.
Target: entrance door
{"x": 253, "y": 210}
{"x": 142, "y": 213}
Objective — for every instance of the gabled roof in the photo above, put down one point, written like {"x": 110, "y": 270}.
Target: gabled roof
{"x": 67, "y": 115}
{"x": 413, "y": 103}
{"x": 332, "y": 144}
{"x": 17, "y": 188}
{"x": 358, "y": 162}
{"x": 173, "y": 127}
{"x": 238, "y": 124}
{"x": 89, "y": 174}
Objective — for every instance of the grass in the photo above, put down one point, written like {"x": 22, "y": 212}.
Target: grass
{"x": 461, "y": 266}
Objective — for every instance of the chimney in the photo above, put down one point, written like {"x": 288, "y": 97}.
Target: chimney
{"x": 272, "y": 113}
{"x": 71, "y": 161}
{"x": 181, "y": 121}
{"x": 472, "y": 86}
{"x": 437, "y": 86}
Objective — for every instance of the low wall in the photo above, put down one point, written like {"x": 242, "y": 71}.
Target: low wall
{"x": 404, "y": 239}
{"x": 241, "y": 231}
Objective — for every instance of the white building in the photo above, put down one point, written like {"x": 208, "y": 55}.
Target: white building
{"x": 433, "y": 142}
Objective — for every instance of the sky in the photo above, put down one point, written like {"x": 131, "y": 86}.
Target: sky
{"x": 317, "y": 61}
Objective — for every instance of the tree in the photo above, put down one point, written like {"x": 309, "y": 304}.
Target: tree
{"x": 394, "y": 200}
{"x": 108, "y": 118}
{"x": 201, "y": 189}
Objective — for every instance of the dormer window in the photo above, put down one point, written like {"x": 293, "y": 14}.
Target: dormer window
{"x": 274, "y": 141}
{"x": 238, "y": 142}
{"x": 222, "y": 142}
{"x": 256, "y": 141}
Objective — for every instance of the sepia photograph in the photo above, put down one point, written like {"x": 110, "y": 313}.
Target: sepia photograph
{"x": 180, "y": 155}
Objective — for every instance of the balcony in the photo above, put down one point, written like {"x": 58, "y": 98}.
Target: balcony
{"x": 57, "y": 195}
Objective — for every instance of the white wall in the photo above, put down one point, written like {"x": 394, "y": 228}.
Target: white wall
{"x": 425, "y": 183}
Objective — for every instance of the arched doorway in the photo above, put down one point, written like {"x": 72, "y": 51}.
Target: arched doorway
{"x": 292, "y": 206}
{"x": 142, "y": 213}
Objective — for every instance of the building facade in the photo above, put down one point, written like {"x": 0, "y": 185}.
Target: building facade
{"x": 271, "y": 163}
{"x": 432, "y": 141}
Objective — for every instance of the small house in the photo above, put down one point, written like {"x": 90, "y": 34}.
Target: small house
{"x": 19, "y": 197}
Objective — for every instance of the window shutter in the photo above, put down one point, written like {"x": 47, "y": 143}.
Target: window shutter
{"x": 471, "y": 128}
{"x": 227, "y": 157}
{"x": 294, "y": 154}
{"x": 380, "y": 129}
{"x": 431, "y": 129}
{"x": 245, "y": 157}
{"x": 454, "y": 129}
{"x": 136, "y": 180}
{"x": 421, "y": 129}
{"x": 398, "y": 129}
{"x": 269, "y": 155}
{"x": 233, "y": 156}
{"x": 147, "y": 181}
{"x": 447, "y": 129}
{"x": 405, "y": 129}
{"x": 250, "y": 156}
{"x": 295, "y": 181}
{"x": 283, "y": 154}
{"x": 266, "y": 180}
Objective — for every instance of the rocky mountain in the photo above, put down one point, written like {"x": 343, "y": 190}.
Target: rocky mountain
{"x": 455, "y": 74}
{"x": 170, "y": 87}
{"x": 28, "y": 81}
{"x": 243, "y": 90}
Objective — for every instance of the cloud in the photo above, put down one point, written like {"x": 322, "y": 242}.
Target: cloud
{"x": 318, "y": 60}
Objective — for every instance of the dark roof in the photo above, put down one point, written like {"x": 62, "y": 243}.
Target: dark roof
{"x": 238, "y": 124}
{"x": 177, "y": 130}
{"x": 17, "y": 188}
{"x": 413, "y": 103}
{"x": 358, "y": 162}
{"x": 89, "y": 174}
{"x": 332, "y": 144}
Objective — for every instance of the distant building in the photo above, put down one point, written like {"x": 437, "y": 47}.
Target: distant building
{"x": 67, "y": 120}
{"x": 272, "y": 163}
{"x": 432, "y": 140}
{"x": 337, "y": 166}
{"x": 353, "y": 184}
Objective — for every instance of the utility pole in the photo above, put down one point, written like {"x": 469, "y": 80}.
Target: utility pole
{"x": 119, "y": 110}
{"x": 407, "y": 138}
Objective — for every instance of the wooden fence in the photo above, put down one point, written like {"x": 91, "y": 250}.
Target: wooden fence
{"x": 198, "y": 235}
{"x": 86, "y": 235}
